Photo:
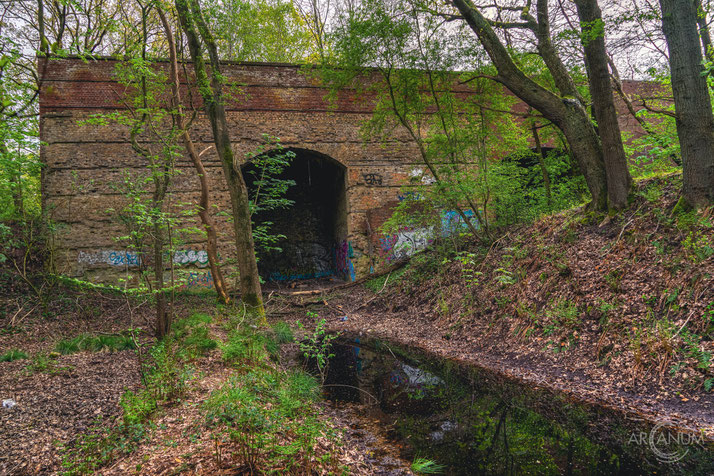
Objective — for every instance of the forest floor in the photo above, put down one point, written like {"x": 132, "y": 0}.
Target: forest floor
{"x": 70, "y": 406}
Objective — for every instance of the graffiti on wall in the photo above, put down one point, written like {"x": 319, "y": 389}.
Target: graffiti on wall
{"x": 373, "y": 179}
{"x": 343, "y": 260}
{"x": 452, "y": 222}
{"x": 133, "y": 259}
{"x": 199, "y": 279}
{"x": 195, "y": 257}
{"x": 110, "y": 257}
{"x": 405, "y": 243}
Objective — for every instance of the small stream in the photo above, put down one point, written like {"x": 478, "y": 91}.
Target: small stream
{"x": 475, "y": 423}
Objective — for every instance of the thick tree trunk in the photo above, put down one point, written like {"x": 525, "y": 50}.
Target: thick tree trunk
{"x": 619, "y": 180}
{"x": 695, "y": 122}
{"x": 211, "y": 240}
{"x": 567, "y": 113}
{"x": 212, "y": 93}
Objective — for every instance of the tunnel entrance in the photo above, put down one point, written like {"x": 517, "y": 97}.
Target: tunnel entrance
{"x": 314, "y": 226}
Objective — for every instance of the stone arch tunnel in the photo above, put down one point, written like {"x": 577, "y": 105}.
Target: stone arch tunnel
{"x": 312, "y": 227}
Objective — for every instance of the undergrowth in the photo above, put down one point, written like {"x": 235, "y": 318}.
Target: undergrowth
{"x": 262, "y": 420}
{"x": 85, "y": 342}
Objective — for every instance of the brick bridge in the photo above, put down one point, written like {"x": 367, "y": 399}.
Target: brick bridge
{"x": 345, "y": 186}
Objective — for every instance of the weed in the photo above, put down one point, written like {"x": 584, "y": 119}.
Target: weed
{"x": 469, "y": 274}
{"x": 504, "y": 277}
{"x": 13, "y": 354}
{"x": 316, "y": 345}
{"x": 254, "y": 410}
{"x": 245, "y": 348}
{"x": 99, "y": 446}
{"x": 566, "y": 314}
{"x": 381, "y": 282}
{"x": 697, "y": 246}
{"x": 84, "y": 342}
{"x": 613, "y": 279}
{"x": 427, "y": 466}
{"x": 652, "y": 193}
{"x": 137, "y": 406}
{"x": 283, "y": 333}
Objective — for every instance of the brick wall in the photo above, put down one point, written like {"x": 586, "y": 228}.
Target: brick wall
{"x": 83, "y": 162}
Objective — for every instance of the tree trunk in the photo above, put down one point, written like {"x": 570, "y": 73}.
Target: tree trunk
{"x": 541, "y": 162}
{"x": 212, "y": 93}
{"x": 163, "y": 319}
{"x": 568, "y": 113}
{"x": 706, "y": 38}
{"x": 203, "y": 209}
{"x": 619, "y": 180}
{"x": 695, "y": 122}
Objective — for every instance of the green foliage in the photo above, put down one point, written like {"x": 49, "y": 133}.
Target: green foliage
{"x": 656, "y": 153}
{"x": 164, "y": 378}
{"x": 316, "y": 344}
{"x": 427, "y": 466}
{"x": 254, "y": 410}
{"x": 165, "y": 375}
{"x": 283, "y": 333}
{"x": 386, "y": 280}
{"x": 267, "y": 188}
{"x": 260, "y": 30}
{"x": 193, "y": 335}
{"x": 99, "y": 446}
{"x": 244, "y": 348}
{"x": 13, "y": 354}
{"x": 20, "y": 163}
{"x": 415, "y": 55}
{"x": 85, "y": 342}
{"x": 138, "y": 406}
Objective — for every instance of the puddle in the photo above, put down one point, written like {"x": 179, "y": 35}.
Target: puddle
{"x": 474, "y": 423}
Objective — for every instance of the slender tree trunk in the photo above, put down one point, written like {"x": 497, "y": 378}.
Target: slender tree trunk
{"x": 567, "y": 113}
{"x": 694, "y": 119}
{"x": 44, "y": 44}
{"x": 163, "y": 321}
{"x": 541, "y": 162}
{"x": 203, "y": 208}
{"x": 706, "y": 38}
{"x": 619, "y": 180}
{"x": 212, "y": 92}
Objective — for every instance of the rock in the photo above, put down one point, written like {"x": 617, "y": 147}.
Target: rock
{"x": 8, "y": 403}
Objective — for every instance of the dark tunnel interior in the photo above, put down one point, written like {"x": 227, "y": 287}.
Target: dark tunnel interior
{"x": 314, "y": 226}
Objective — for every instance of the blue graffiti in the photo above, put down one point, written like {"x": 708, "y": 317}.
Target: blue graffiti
{"x": 409, "y": 196}
{"x": 194, "y": 279}
{"x": 452, "y": 222}
{"x": 124, "y": 258}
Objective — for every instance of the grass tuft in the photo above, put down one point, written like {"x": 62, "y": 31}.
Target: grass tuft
{"x": 13, "y": 354}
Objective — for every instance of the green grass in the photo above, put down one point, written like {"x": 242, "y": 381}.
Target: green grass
{"x": 427, "y": 466}
{"x": 283, "y": 333}
{"x": 386, "y": 280}
{"x": 13, "y": 354}
{"x": 86, "y": 342}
